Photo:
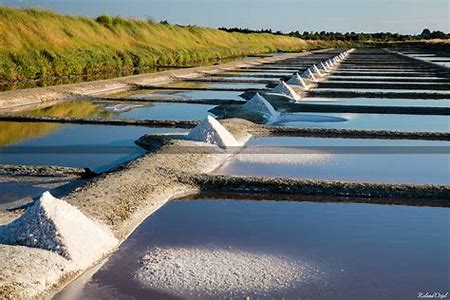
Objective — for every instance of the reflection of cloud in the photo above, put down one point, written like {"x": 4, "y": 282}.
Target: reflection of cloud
{"x": 120, "y": 107}
{"x": 288, "y": 118}
{"x": 283, "y": 155}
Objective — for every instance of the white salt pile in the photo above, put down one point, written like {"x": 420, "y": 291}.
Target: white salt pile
{"x": 309, "y": 74}
{"x": 210, "y": 272}
{"x": 284, "y": 89}
{"x": 259, "y": 105}
{"x": 325, "y": 68}
{"x": 54, "y": 225}
{"x": 297, "y": 80}
{"x": 212, "y": 132}
{"x": 317, "y": 71}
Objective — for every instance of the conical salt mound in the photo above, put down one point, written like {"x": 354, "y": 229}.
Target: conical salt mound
{"x": 317, "y": 71}
{"x": 54, "y": 225}
{"x": 258, "y": 104}
{"x": 310, "y": 75}
{"x": 297, "y": 80}
{"x": 284, "y": 89}
{"x": 323, "y": 67}
{"x": 212, "y": 132}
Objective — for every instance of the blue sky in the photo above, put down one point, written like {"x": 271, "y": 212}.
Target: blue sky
{"x": 405, "y": 16}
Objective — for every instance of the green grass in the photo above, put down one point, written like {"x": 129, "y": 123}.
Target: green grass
{"x": 39, "y": 44}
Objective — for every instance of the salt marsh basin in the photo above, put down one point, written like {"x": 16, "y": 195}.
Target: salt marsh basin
{"x": 342, "y": 159}
{"x": 387, "y": 150}
{"x": 333, "y": 242}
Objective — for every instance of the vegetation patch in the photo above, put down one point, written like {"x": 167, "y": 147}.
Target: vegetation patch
{"x": 39, "y": 44}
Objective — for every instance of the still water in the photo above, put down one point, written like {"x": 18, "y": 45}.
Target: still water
{"x": 358, "y": 251}
{"x": 86, "y": 146}
{"x": 125, "y": 110}
{"x": 423, "y": 123}
{"x": 360, "y": 160}
{"x": 381, "y": 102}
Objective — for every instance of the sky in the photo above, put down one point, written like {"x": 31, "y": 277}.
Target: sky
{"x": 403, "y": 16}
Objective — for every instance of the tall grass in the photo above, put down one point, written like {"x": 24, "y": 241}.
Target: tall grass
{"x": 39, "y": 43}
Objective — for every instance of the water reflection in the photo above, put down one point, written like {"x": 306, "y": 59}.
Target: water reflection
{"x": 362, "y": 251}
{"x": 359, "y": 160}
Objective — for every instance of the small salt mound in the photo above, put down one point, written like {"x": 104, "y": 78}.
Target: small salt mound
{"x": 317, "y": 71}
{"x": 309, "y": 74}
{"x": 212, "y": 132}
{"x": 220, "y": 273}
{"x": 325, "y": 68}
{"x": 284, "y": 89}
{"x": 258, "y": 104}
{"x": 54, "y": 225}
{"x": 298, "y": 81}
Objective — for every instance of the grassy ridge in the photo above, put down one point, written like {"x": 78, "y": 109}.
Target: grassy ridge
{"x": 39, "y": 43}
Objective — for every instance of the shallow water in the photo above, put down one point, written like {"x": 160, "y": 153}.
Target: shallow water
{"x": 227, "y": 85}
{"x": 390, "y": 81}
{"x": 163, "y": 111}
{"x": 381, "y": 102}
{"x": 359, "y": 160}
{"x": 12, "y": 189}
{"x": 124, "y": 110}
{"x": 227, "y": 95}
{"x": 423, "y": 123}
{"x": 86, "y": 146}
{"x": 360, "y": 251}
{"x": 445, "y": 92}
{"x": 262, "y": 72}
{"x": 390, "y": 78}
{"x": 433, "y": 58}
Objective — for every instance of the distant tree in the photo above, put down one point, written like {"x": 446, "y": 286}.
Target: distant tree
{"x": 438, "y": 35}
{"x": 348, "y": 36}
{"x": 164, "y": 22}
{"x": 426, "y": 34}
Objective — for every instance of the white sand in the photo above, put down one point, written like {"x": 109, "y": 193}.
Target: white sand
{"x": 284, "y": 89}
{"x": 212, "y": 132}
{"x": 54, "y": 225}
{"x": 211, "y": 272}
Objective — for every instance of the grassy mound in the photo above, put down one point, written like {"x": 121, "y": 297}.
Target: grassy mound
{"x": 40, "y": 44}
